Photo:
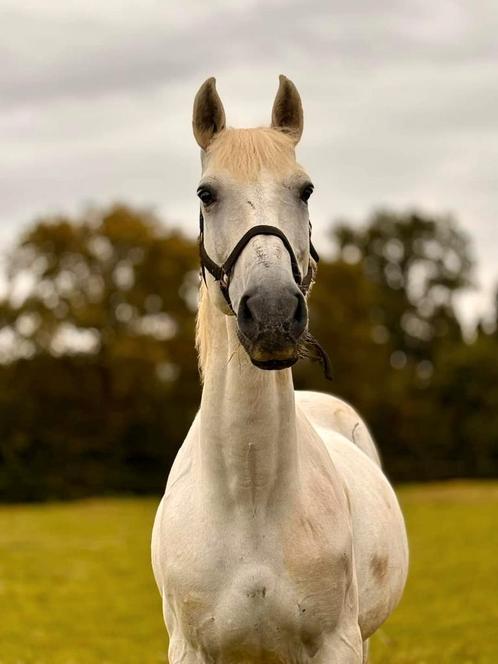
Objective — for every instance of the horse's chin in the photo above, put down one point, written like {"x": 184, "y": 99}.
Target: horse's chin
{"x": 274, "y": 365}
{"x": 273, "y": 355}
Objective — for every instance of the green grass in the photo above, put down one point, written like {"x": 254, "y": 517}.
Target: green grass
{"x": 76, "y": 585}
{"x": 449, "y": 612}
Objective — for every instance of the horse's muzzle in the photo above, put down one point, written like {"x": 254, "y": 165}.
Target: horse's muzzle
{"x": 270, "y": 323}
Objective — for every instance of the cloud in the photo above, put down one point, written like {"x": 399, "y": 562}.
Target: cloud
{"x": 401, "y": 104}
{"x": 75, "y": 50}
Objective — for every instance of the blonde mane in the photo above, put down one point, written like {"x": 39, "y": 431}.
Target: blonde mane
{"x": 206, "y": 326}
{"x": 246, "y": 152}
{"x": 202, "y": 329}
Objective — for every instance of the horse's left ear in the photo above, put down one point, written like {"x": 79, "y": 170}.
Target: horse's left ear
{"x": 209, "y": 116}
{"x": 287, "y": 112}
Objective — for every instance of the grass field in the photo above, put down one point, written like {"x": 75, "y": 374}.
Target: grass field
{"x": 76, "y": 585}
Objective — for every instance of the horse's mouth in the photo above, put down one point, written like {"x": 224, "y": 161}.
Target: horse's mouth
{"x": 270, "y": 354}
{"x": 274, "y": 365}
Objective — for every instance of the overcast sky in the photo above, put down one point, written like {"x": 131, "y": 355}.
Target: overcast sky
{"x": 400, "y": 101}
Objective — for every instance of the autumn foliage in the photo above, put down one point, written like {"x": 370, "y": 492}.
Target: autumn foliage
{"x": 98, "y": 375}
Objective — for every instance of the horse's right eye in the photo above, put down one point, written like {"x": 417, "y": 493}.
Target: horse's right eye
{"x": 206, "y": 195}
{"x": 306, "y": 192}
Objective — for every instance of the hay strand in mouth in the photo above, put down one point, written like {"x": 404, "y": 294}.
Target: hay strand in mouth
{"x": 310, "y": 349}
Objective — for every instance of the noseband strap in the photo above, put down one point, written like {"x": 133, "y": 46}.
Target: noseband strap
{"x": 222, "y": 273}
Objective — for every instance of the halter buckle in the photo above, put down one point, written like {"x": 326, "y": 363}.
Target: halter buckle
{"x": 224, "y": 279}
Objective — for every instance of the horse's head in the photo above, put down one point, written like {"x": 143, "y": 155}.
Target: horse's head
{"x": 250, "y": 178}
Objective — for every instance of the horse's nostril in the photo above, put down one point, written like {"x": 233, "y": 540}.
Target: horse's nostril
{"x": 245, "y": 313}
{"x": 245, "y": 318}
{"x": 300, "y": 318}
{"x": 300, "y": 314}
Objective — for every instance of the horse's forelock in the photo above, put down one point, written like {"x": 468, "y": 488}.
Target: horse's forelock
{"x": 244, "y": 153}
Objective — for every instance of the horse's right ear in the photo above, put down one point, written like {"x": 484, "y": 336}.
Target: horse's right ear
{"x": 287, "y": 112}
{"x": 208, "y": 117}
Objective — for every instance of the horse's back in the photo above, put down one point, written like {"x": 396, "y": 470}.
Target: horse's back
{"x": 329, "y": 412}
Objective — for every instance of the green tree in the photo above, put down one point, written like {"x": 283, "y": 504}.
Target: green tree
{"x": 420, "y": 263}
{"x": 101, "y": 380}
{"x": 384, "y": 309}
{"x": 343, "y": 305}
{"x": 466, "y": 389}
{"x": 98, "y": 375}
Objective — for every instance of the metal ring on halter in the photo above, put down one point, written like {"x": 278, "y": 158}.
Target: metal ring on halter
{"x": 221, "y": 273}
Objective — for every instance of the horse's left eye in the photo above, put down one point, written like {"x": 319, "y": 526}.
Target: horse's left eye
{"x": 306, "y": 192}
{"x": 206, "y": 195}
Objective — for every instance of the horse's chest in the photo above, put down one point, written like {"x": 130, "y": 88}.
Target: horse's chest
{"x": 243, "y": 601}
{"x": 250, "y": 611}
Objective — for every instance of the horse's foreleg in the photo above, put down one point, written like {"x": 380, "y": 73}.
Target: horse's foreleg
{"x": 180, "y": 652}
{"x": 345, "y": 646}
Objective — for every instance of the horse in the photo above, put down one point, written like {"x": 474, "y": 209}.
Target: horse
{"x": 279, "y": 539}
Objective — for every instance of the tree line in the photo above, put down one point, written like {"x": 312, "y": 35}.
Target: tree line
{"x": 98, "y": 373}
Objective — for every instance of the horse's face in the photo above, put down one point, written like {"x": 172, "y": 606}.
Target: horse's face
{"x": 250, "y": 177}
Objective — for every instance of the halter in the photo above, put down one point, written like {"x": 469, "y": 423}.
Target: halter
{"x": 222, "y": 273}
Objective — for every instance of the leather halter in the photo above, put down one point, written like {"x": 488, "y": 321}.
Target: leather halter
{"x": 222, "y": 273}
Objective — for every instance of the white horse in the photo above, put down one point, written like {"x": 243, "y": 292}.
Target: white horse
{"x": 279, "y": 539}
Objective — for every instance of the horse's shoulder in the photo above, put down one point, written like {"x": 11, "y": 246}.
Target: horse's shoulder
{"x": 171, "y": 524}
{"x": 330, "y": 412}
{"x": 181, "y": 466}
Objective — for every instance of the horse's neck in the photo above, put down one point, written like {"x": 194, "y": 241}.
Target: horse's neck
{"x": 248, "y": 424}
